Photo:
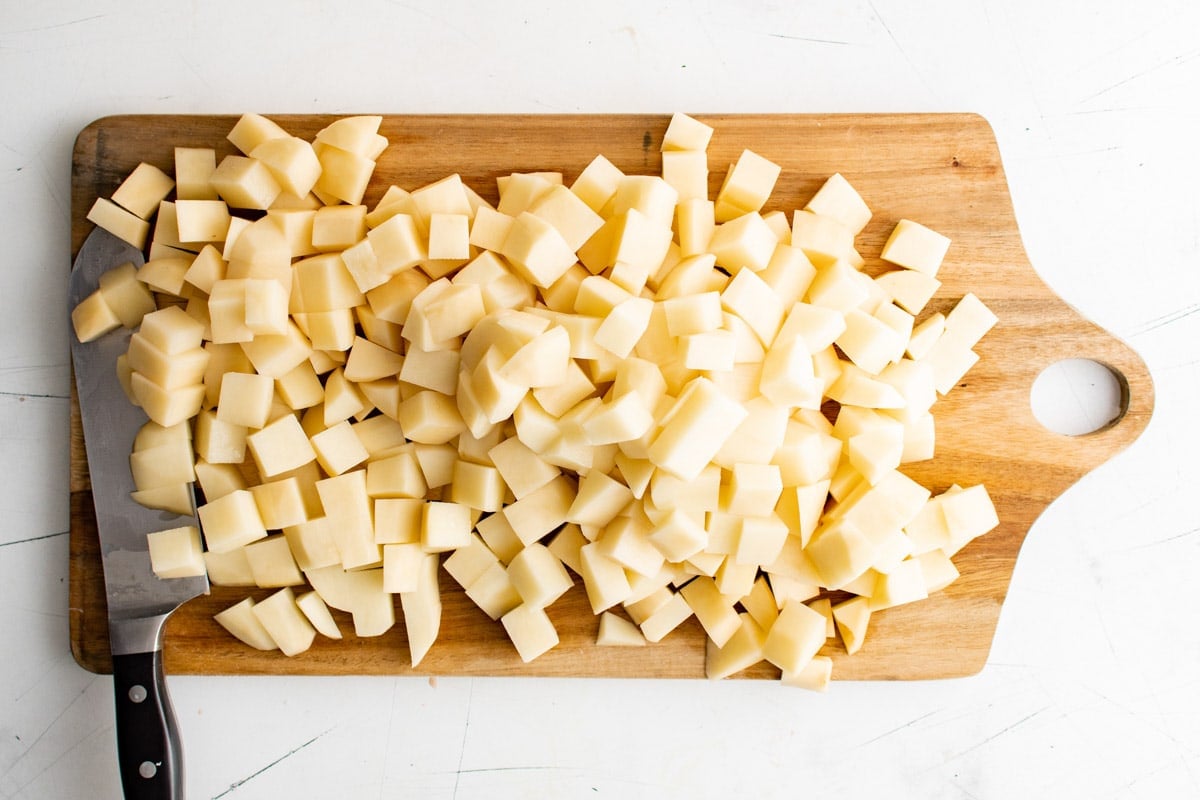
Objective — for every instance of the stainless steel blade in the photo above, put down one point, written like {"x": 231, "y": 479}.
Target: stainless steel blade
{"x": 138, "y": 600}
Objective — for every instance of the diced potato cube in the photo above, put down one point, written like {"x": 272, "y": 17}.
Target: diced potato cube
{"x": 314, "y": 608}
{"x": 521, "y": 468}
{"x": 530, "y": 630}
{"x": 176, "y": 553}
{"x": 493, "y": 592}
{"x": 795, "y": 637}
{"x": 348, "y": 509}
{"x": 402, "y": 564}
{"x": 837, "y": 199}
{"x": 824, "y": 240}
{"x": 542, "y": 510}
{"x": 537, "y": 250}
{"x": 603, "y": 578}
{"x": 228, "y": 569}
{"x": 853, "y": 616}
{"x": 171, "y": 330}
{"x": 747, "y": 186}
{"x": 338, "y": 449}
{"x": 166, "y": 406}
{"x": 924, "y": 335}
{"x": 358, "y": 134}
{"x": 568, "y": 214}
{"x": 291, "y": 162}
{"x": 477, "y": 486}
{"x": 744, "y": 242}
{"x": 814, "y": 675}
{"x": 713, "y": 351}
{"x": 913, "y": 245}
{"x": 280, "y": 446}
{"x": 597, "y": 183}
{"x": 449, "y": 236}
{"x": 909, "y": 288}
{"x": 742, "y": 650}
{"x": 93, "y": 318}
{"x": 468, "y": 563}
{"x": 218, "y": 441}
{"x": 193, "y": 168}
{"x": 165, "y": 274}
{"x": 714, "y": 611}
{"x": 245, "y": 399}
{"x": 231, "y": 521}
{"x": 251, "y": 130}
{"x": 202, "y": 220}
{"x": 244, "y": 183}
{"x": 686, "y": 133}
{"x": 617, "y": 631}
{"x": 445, "y": 526}
{"x": 700, "y": 421}
{"x": 143, "y": 190}
{"x": 966, "y": 323}
{"x": 344, "y": 175}
{"x": 686, "y": 171}
{"x": 538, "y": 576}
{"x": 667, "y": 617}
{"x": 240, "y": 621}
{"x": 272, "y": 564}
{"x": 286, "y": 624}
{"x": 969, "y": 514}
{"x": 125, "y": 295}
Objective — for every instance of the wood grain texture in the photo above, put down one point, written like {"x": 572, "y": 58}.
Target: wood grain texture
{"x": 943, "y": 170}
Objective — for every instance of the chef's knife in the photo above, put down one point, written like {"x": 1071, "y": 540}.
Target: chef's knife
{"x": 139, "y": 602}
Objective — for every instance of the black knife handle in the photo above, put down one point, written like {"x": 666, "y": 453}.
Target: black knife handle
{"x": 147, "y": 739}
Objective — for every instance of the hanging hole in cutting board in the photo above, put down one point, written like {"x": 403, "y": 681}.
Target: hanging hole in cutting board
{"x": 1077, "y": 396}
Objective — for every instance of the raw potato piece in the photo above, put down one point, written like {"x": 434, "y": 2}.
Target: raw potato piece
{"x": 284, "y": 622}
{"x": 143, "y": 190}
{"x": 119, "y": 222}
{"x": 241, "y": 621}
{"x": 913, "y": 245}
{"x": 93, "y": 318}
{"x": 423, "y": 610}
{"x": 318, "y": 614}
{"x": 176, "y": 553}
{"x": 231, "y": 521}
{"x": 618, "y": 632}
{"x": 530, "y": 630}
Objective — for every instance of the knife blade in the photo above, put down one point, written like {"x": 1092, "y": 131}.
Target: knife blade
{"x": 139, "y": 602}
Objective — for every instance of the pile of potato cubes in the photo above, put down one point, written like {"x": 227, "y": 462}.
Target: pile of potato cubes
{"x": 618, "y": 381}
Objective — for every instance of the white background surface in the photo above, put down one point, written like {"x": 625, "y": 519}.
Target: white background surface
{"x": 1093, "y": 684}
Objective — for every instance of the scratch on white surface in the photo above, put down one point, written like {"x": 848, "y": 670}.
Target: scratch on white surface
{"x": 237, "y": 784}
{"x": 895, "y": 41}
{"x": 713, "y": 46}
{"x": 387, "y": 742}
{"x": 999, "y": 733}
{"x": 963, "y": 789}
{"x": 59, "y": 758}
{"x": 1176, "y": 60}
{"x": 49, "y": 726}
{"x": 27, "y": 395}
{"x": 1167, "y": 319}
{"x": 34, "y": 539}
{"x": 810, "y": 39}
{"x": 547, "y": 768}
{"x": 1172, "y": 538}
{"x": 437, "y": 19}
{"x": 908, "y": 724}
{"x": 462, "y": 745}
{"x": 57, "y": 25}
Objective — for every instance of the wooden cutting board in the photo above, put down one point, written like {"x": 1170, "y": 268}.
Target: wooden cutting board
{"x": 943, "y": 170}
